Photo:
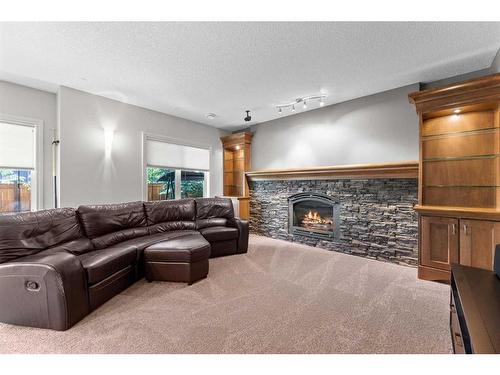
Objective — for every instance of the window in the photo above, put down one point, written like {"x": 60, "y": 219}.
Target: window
{"x": 192, "y": 184}
{"x": 20, "y": 164}
{"x": 175, "y": 171}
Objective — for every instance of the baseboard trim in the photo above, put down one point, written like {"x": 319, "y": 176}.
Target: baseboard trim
{"x": 433, "y": 274}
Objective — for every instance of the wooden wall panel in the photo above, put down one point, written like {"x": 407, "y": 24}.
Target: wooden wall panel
{"x": 457, "y": 123}
{"x": 469, "y": 172}
{"x": 480, "y": 197}
{"x": 228, "y": 178}
{"x": 228, "y": 165}
{"x": 464, "y": 144}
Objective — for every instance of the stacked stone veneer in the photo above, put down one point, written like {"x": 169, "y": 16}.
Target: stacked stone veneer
{"x": 376, "y": 215}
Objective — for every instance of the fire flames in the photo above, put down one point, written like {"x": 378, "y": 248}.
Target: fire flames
{"x": 315, "y": 218}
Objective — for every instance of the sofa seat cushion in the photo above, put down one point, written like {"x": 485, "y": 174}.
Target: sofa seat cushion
{"x": 214, "y": 234}
{"x": 143, "y": 242}
{"x": 169, "y": 226}
{"x": 101, "y": 264}
{"x": 76, "y": 247}
{"x": 113, "y": 238}
{"x": 187, "y": 249}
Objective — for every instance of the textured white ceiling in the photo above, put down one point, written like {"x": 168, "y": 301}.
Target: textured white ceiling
{"x": 191, "y": 69}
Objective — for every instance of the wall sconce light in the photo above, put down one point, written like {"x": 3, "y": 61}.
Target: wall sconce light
{"x": 108, "y": 142}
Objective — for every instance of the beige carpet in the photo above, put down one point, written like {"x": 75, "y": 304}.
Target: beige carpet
{"x": 279, "y": 298}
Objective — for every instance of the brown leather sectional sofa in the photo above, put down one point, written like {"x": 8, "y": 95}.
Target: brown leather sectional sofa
{"x": 58, "y": 265}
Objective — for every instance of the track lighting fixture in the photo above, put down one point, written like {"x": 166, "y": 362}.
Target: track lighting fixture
{"x": 304, "y": 100}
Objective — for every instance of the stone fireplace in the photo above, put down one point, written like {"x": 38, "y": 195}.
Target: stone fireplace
{"x": 314, "y": 215}
{"x": 376, "y": 218}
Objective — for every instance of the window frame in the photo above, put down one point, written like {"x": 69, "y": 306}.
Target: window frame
{"x": 161, "y": 138}
{"x": 37, "y": 180}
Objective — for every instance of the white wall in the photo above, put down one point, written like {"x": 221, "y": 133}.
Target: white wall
{"x": 23, "y": 101}
{"x": 87, "y": 177}
{"x": 377, "y": 128}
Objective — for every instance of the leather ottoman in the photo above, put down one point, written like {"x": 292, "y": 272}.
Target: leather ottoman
{"x": 183, "y": 259}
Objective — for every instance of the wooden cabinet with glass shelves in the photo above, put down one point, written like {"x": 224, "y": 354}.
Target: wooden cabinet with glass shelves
{"x": 459, "y": 173}
{"x": 237, "y": 154}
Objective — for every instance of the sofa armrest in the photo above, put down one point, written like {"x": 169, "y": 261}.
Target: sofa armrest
{"x": 242, "y": 226}
{"x": 45, "y": 290}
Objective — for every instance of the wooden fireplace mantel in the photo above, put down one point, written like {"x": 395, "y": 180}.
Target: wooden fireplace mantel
{"x": 403, "y": 169}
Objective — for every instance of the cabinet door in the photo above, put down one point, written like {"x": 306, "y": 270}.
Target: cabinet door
{"x": 439, "y": 246}
{"x": 477, "y": 242}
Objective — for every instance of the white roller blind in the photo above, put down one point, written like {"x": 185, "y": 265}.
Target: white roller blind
{"x": 17, "y": 146}
{"x": 163, "y": 154}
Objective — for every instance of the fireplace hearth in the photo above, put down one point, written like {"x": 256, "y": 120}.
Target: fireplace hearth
{"x": 313, "y": 214}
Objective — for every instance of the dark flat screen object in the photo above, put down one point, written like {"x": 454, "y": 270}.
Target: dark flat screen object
{"x": 497, "y": 261}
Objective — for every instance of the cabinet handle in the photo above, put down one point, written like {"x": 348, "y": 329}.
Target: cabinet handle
{"x": 466, "y": 228}
{"x": 453, "y": 230}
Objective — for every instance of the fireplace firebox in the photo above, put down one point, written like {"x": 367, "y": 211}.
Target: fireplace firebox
{"x": 314, "y": 215}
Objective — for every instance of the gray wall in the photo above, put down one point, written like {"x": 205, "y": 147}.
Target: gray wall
{"x": 23, "y": 101}
{"x": 456, "y": 79}
{"x": 494, "y": 68}
{"x": 495, "y": 65}
{"x": 87, "y": 177}
{"x": 377, "y": 128}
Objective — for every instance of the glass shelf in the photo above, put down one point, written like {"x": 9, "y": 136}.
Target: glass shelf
{"x": 462, "y": 186}
{"x": 461, "y": 133}
{"x": 452, "y": 158}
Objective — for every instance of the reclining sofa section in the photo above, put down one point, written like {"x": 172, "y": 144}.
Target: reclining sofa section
{"x": 58, "y": 265}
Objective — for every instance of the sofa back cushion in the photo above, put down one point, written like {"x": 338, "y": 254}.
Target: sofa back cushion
{"x": 98, "y": 220}
{"x": 170, "y": 210}
{"x": 211, "y": 212}
{"x": 166, "y": 216}
{"x": 108, "y": 224}
{"x": 28, "y": 233}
